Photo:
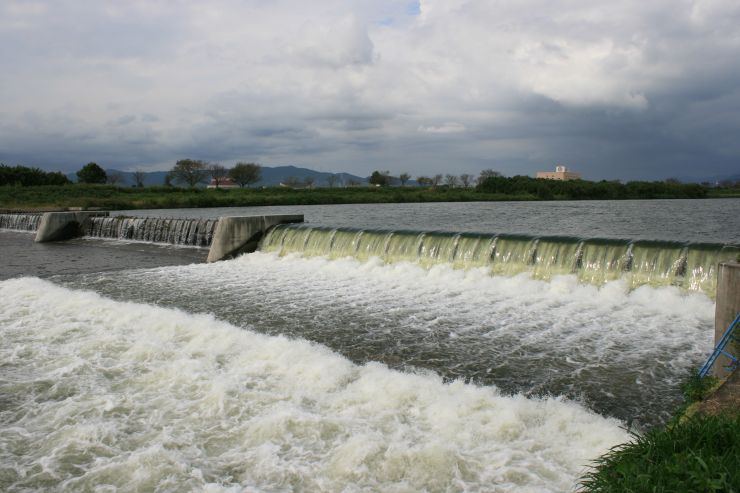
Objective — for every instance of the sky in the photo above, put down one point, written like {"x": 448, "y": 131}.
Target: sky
{"x": 613, "y": 89}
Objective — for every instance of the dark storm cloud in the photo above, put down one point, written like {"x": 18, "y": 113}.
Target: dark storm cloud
{"x": 617, "y": 90}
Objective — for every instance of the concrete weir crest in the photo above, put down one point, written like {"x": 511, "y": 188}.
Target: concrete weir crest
{"x": 233, "y": 235}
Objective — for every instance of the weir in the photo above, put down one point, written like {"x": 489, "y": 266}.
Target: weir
{"x": 226, "y": 236}
{"x": 20, "y": 222}
{"x": 690, "y": 266}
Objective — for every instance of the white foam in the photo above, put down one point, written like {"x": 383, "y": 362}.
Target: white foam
{"x": 139, "y": 397}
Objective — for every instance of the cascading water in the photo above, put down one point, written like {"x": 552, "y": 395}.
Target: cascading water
{"x": 186, "y": 232}
{"x": 20, "y": 222}
{"x": 691, "y": 266}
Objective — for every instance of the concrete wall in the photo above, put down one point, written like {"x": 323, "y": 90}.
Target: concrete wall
{"x": 236, "y": 235}
{"x": 726, "y": 309}
{"x": 58, "y": 226}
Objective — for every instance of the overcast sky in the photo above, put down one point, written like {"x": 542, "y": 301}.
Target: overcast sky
{"x": 614, "y": 89}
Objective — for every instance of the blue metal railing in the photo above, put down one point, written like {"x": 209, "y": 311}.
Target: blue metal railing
{"x": 720, "y": 349}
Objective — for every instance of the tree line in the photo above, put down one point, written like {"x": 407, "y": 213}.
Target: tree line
{"x": 26, "y": 177}
{"x": 190, "y": 173}
{"x": 584, "y": 190}
{"x": 465, "y": 180}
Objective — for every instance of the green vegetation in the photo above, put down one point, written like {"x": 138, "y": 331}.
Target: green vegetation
{"x": 189, "y": 172}
{"x": 92, "y": 173}
{"x": 584, "y": 190}
{"x": 245, "y": 174}
{"x": 698, "y": 454}
{"x": 696, "y": 388}
{"x": 27, "y": 188}
{"x": 115, "y": 197}
{"x": 692, "y": 453}
{"x": 112, "y": 197}
{"x": 22, "y": 176}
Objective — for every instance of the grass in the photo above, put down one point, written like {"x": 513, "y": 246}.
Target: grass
{"x": 118, "y": 198}
{"x": 701, "y": 454}
{"x": 692, "y": 453}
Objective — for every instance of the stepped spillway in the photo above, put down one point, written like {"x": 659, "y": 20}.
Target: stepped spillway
{"x": 691, "y": 266}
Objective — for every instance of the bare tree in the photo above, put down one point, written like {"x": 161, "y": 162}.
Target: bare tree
{"x": 436, "y": 180}
{"x": 466, "y": 179}
{"x": 404, "y": 177}
{"x": 353, "y": 183}
{"x": 139, "y": 178}
{"x": 218, "y": 174}
{"x": 486, "y": 173}
{"x": 114, "y": 178}
{"x": 332, "y": 180}
{"x": 246, "y": 173}
{"x": 190, "y": 172}
{"x": 308, "y": 181}
{"x": 291, "y": 181}
{"x": 450, "y": 180}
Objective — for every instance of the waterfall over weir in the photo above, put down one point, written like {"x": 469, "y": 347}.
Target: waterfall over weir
{"x": 691, "y": 266}
{"x": 21, "y": 221}
{"x": 186, "y": 232}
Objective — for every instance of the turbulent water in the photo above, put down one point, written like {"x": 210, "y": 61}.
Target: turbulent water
{"x": 344, "y": 359}
{"x": 102, "y": 393}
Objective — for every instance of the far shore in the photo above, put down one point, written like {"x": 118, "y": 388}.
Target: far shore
{"x": 15, "y": 198}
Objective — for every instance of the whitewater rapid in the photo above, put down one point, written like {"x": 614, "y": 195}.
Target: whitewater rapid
{"x": 101, "y": 394}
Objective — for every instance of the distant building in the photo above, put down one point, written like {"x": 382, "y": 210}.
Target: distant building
{"x": 561, "y": 173}
{"x": 223, "y": 183}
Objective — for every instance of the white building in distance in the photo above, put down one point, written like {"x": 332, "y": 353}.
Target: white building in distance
{"x": 561, "y": 173}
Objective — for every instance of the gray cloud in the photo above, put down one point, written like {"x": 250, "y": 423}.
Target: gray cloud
{"x": 614, "y": 89}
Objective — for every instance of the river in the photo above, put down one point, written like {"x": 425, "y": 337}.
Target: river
{"x": 138, "y": 366}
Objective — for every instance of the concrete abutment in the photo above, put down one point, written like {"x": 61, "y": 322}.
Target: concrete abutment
{"x": 726, "y": 309}
{"x": 59, "y": 226}
{"x": 236, "y": 235}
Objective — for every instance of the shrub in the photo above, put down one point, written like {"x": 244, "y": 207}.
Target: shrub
{"x": 699, "y": 454}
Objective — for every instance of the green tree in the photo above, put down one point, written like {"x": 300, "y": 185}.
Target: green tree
{"x": 92, "y": 173}
{"x": 246, "y": 173}
{"x": 485, "y": 174}
{"x": 26, "y": 177}
{"x": 190, "y": 172}
{"x": 380, "y": 178}
{"x": 423, "y": 181}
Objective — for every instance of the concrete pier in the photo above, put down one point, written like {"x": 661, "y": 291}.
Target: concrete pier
{"x": 237, "y": 235}
{"x": 726, "y": 309}
{"x": 59, "y": 226}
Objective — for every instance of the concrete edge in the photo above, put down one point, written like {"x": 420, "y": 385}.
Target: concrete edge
{"x": 60, "y": 226}
{"x": 235, "y": 235}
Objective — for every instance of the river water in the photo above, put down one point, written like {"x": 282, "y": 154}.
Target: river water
{"x": 137, "y": 366}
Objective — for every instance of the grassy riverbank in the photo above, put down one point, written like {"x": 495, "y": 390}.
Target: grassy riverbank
{"x": 697, "y": 451}
{"x": 113, "y": 197}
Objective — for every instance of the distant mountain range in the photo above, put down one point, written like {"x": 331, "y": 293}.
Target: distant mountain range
{"x": 271, "y": 176}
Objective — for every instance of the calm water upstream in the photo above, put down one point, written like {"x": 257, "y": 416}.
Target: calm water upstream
{"x": 138, "y": 366}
